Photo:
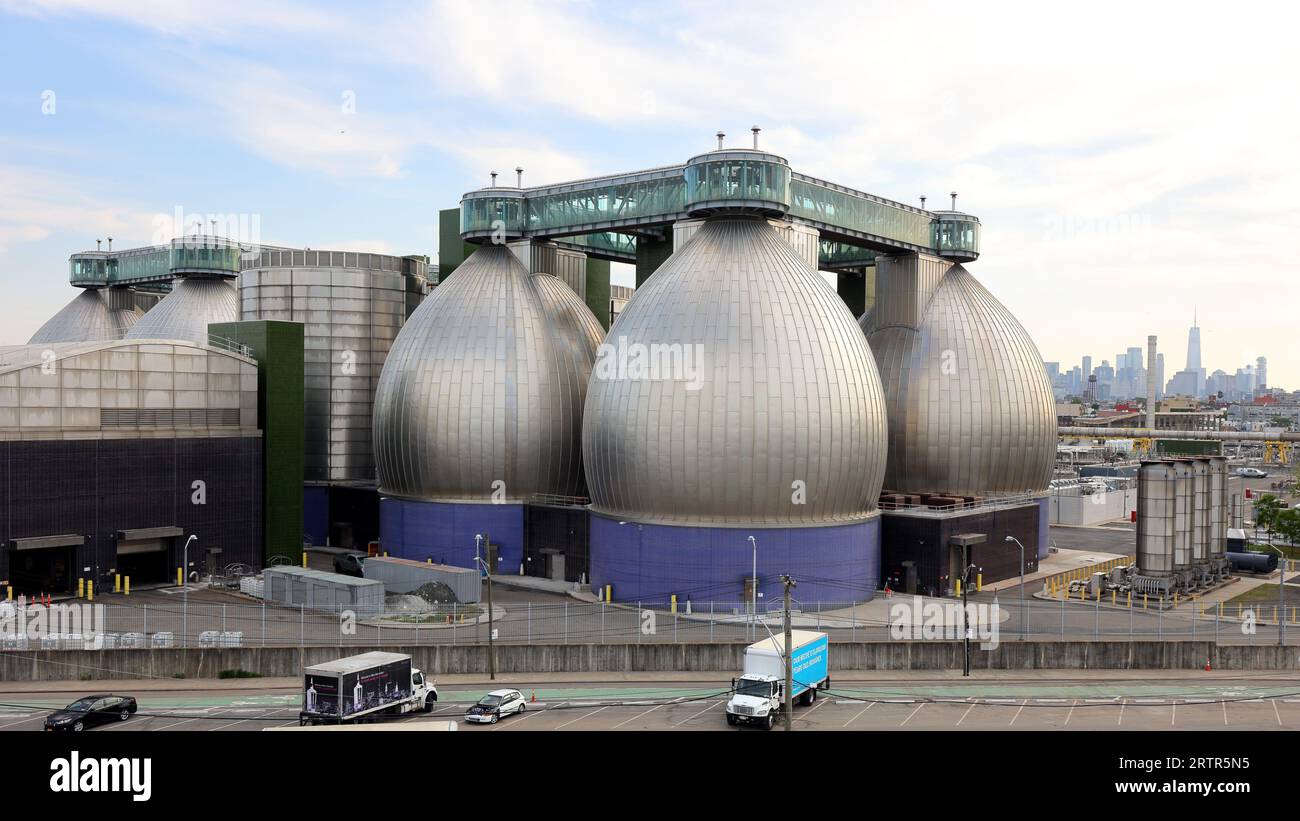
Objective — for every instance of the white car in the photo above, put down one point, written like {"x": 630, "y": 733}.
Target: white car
{"x": 495, "y": 706}
{"x": 1252, "y": 473}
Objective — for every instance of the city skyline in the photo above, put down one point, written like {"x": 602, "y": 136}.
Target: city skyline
{"x": 1126, "y": 372}
{"x": 1114, "y": 188}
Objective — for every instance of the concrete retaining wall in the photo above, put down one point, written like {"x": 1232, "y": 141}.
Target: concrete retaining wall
{"x": 46, "y": 665}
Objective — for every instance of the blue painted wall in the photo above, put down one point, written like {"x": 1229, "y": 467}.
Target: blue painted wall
{"x": 316, "y": 514}
{"x": 444, "y": 531}
{"x": 649, "y": 563}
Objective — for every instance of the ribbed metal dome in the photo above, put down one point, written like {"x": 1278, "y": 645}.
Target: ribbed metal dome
{"x": 784, "y": 390}
{"x": 971, "y": 411}
{"x": 186, "y": 312}
{"x": 90, "y": 317}
{"x": 485, "y": 383}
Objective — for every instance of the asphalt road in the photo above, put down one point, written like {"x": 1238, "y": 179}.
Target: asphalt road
{"x": 1068, "y": 700}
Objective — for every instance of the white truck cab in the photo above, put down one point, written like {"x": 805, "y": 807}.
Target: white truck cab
{"x": 755, "y": 699}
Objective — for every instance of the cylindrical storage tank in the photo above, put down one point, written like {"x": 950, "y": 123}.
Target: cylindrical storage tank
{"x": 735, "y": 415}
{"x": 1200, "y": 511}
{"x": 1184, "y": 501}
{"x": 479, "y": 409}
{"x": 1218, "y": 506}
{"x": 194, "y": 303}
{"x": 352, "y": 306}
{"x": 1156, "y": 511}
{"x": 971, "y": 411}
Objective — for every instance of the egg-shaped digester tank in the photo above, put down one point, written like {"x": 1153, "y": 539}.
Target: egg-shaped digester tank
{"x": 734, "y": 415}
{"x": 195, "y": 302}
{"x": 971, "y": 411}
{"x": 479, "y": 408}
{"x": 94, "y": 315}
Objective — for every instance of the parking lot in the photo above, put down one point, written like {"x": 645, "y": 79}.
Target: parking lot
{"x": 1064, "y": 701}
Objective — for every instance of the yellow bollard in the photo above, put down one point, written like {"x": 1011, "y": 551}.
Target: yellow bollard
{"x": 126, "y": 585}
{"x": 674, "y": 602}
{"x": 81, "y": 588}
{"x": 90, "y": 590}
{"x": 979, "y": 582}
{"x": 180, "y": 579}
{"x": 304, "y": 558}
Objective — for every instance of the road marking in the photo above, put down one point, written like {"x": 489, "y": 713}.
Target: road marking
{"x": 1275, "y": 712}
{"x": 860, "y": 712}
{"x": 914, "y": 712}
{"x": 1017, "y": 715}
{"x": 188, "y": 720}
{"x": 697, "y": 715}
{"x": 1067, "y": 715}
{"x": 579, "y": 718}
{"x": 635, "y": 717}
{"x": 33, "y": 717}
{"x": 519, "y": 719}
{"x": 963, "y": 715}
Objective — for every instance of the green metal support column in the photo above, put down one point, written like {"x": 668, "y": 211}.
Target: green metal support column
{"x": 598, "y": 289}
{"x": 452, "y": 250}
{"x": 650, "y": 254}
{"x": 852, "y": 288}
{"x": 278, "y": 348}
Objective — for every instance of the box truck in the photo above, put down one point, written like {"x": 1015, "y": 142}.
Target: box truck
{"x": 757, "y": 694}
{"x": 363, "y": 687}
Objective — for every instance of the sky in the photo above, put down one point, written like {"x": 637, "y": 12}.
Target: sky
{"x": 1131, "y": 163}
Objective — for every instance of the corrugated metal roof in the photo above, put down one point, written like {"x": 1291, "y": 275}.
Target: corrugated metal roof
{"x": 320, "y": 575}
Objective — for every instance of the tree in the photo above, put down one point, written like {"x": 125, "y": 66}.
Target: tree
{"x": 1267, "y": 510}
{"x": 1288, "y": 525}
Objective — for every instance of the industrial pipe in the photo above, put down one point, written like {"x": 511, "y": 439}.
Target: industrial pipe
{"x": 1149, "y": 433}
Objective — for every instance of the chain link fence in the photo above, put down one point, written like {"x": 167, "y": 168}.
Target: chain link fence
{"x": 894, "y": 618}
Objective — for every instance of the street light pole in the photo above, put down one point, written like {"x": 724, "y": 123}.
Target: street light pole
{"x": 185, "y": 590}
{"x": 1022, "y": 585}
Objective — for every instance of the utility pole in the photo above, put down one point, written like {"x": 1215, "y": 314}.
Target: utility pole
{"x": 965, "y": 618}
{"x": 492, "y": 651}
{"x": 788, "y": 583}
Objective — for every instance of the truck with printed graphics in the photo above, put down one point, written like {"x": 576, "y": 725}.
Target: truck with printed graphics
{"x": 363, "y": 687}
{"x": 757, "y": 695}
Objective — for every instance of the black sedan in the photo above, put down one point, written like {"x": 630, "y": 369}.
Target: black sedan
{"x": 91, "y": 710}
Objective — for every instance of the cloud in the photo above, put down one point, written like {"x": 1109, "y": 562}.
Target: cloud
{"x": 36, "y": 203}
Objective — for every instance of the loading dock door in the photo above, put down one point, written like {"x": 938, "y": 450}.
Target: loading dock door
{"x": 146, "y": 561}
{"x": 44, "y": 564}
